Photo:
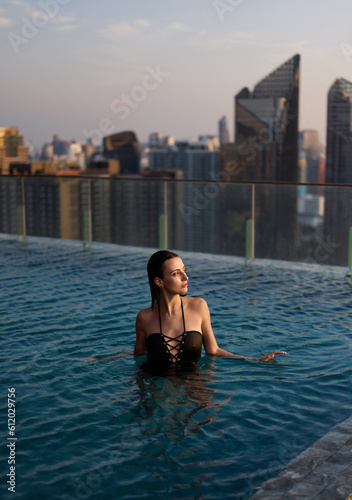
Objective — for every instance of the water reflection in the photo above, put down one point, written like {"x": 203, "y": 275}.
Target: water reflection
{"x": 177, "y": 405}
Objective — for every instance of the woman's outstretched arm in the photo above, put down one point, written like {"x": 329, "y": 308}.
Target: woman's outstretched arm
{"x": 210, "y": 344}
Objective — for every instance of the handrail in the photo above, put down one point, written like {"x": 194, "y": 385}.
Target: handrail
{"x": 168, "y": 179}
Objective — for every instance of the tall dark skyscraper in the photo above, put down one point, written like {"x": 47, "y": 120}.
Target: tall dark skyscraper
{"x": 267, "y": 119}
{"x": 338, "y": 201}
{"x": 266, "y": 149}
{"x": 339, "y": 133}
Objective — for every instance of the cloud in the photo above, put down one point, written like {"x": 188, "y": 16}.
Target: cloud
{"x": 153, "y": 32}
{"x": 25, "y": 7}
{"x": 30, "y": 11}
{"x": 222, "y": 42}
{"x": 5, "y": 21}
{"x": 138, "y": 26}
{"x": 64, "y": 23}
{"x": 180, "y": 27}
{"x": 307, "y": 48}
{"x": 243, "y": 35}
{"x": 142, "y": 22}
{"x": 64, "y": 19}
{"x": 119, "y": 30}
{"x": 215, "y": 44}
{"x": 19, "y": 3}
{"x": 124, "y": 29}
{"x": 66, "y": 27}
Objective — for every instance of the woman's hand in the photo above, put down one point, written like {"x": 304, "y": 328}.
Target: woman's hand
{"x": 271, "y": 355}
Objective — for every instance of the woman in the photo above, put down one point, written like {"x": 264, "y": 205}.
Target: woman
{"x": 173, "y": 330}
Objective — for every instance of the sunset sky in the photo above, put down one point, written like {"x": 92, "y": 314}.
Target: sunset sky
{"x": 75, "y": 66}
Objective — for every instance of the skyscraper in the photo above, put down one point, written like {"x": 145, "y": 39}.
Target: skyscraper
{"x": 267, "y": 119}
{"x": 224, "y": 134}
{"x": 12, "y": 150}
{"x": 338, "y": 201}
{"x": 339, "y": 133}
{"x": 310, "y": 198}
{"x": 124, "y": 147}
{"x": 266, "y": 149}
{"x": 310, "y": 149}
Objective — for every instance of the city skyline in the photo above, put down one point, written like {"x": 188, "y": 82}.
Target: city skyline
{"x": 72, "y": 68}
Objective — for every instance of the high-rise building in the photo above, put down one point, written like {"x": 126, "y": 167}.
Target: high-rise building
{"x": 310, "y": 213}
{"x": 60, "y": 148}
{"x": 198, "y": 212}
{"x": 266, "y": 149}
{"x": 310, "y": 140}
{"x": 310, "y": 150}
{"x": 12, "y": 150}
{"x": 267, "y": 119}
{"x": 75, "y": 155}
{"x": 224, "y": 134}
{"x": 155, "y": 140}
{"x": 339, "y": 133}
{"x": 124, "y": 147}
{"x": 338, "y": 201}
{"x": 198, "y": 160}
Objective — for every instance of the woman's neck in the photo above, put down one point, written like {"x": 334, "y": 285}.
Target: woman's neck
{"x": 170, "y": 304}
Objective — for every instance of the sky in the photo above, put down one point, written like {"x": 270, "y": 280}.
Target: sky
{"x": 82, "y": 68}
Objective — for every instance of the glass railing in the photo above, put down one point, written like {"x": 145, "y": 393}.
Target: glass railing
{"x": 292, "y": 222}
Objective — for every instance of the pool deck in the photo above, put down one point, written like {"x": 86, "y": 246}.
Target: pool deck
{"x": 321, "y": 472}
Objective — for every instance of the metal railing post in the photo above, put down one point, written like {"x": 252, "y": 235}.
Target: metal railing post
{"x": 250, "y": 230}
{"x": 21, "y": 215}
{"x": 163, "y": 226}
{"x": 87, "y": 219}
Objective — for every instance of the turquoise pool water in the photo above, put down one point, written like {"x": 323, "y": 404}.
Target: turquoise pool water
{"x": 109, "y": 431}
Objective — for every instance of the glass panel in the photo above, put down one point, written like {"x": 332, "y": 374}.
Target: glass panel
{"x": 333, "y": 249}
{"x": 276, "y": 222}
{"x": 10, "y": 199}
{"x": 294, "y": 223}
{"x": 43, "y": 203}
{"x": 136, "y": 208}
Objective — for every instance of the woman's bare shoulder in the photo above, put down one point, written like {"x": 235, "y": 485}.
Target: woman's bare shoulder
{"x": 144, "y": 314}
{"x": 197, "y": 303}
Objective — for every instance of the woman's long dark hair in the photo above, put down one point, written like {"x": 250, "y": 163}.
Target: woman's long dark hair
{"x": 155, "y": 270}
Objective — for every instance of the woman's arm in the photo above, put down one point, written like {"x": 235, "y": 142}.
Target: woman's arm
{"x": 210, "y": 344}
{"x": 139, "y": 347}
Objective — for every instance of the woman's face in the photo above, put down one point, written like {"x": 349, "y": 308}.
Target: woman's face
{"x": 174, "y": 277}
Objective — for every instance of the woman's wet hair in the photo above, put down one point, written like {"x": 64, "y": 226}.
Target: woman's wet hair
{"x": 154, "y": 268}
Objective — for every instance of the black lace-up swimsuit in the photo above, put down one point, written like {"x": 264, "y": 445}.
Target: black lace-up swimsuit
{"x": 183, "y": 356}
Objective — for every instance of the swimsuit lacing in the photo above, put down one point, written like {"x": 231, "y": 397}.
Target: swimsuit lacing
{"x": 162, "y": 355}
{"x": 167, "y": 340}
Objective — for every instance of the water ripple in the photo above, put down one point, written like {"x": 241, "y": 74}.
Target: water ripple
{"x": 93, "y": 429}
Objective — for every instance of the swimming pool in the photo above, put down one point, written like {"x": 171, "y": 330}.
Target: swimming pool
{"x": 108, "y": 431}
